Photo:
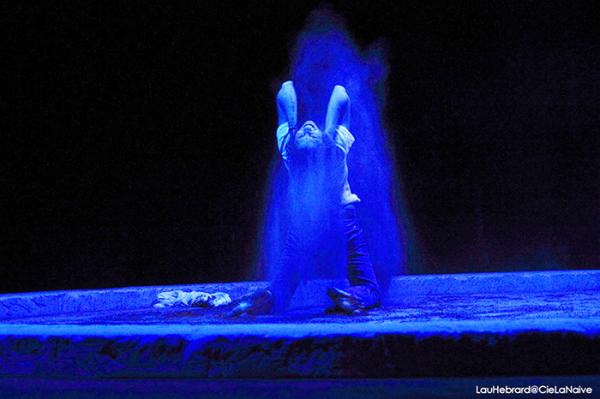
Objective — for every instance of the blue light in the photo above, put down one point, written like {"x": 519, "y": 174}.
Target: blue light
{"x": 325, "y": 55}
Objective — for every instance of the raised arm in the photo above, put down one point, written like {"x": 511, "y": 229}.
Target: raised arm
{"x": 338, "y": 110}
{"x": 287, "y": 105}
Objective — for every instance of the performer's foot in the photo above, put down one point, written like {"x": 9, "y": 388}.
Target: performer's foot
{"x": 355, "y": 300}
{"x": 257, "y": 302}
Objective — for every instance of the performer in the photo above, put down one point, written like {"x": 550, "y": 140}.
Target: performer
{"x": 320, "y": 197}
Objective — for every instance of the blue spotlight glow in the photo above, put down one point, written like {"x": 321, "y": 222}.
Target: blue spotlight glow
{"x": 325, "y": 56}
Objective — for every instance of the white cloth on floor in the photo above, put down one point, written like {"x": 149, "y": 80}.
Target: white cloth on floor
{"x": 191, "y": 298}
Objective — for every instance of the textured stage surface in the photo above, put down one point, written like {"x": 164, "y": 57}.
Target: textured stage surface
{"x": 489, "y": 324}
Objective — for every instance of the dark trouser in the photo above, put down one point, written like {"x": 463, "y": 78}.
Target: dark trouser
{"x": 300, "y": 244}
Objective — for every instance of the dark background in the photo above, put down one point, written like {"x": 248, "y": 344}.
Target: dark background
{"x": 141, "y": 135}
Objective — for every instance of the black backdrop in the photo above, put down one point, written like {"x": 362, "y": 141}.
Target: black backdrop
{"x": 141, "y": 135}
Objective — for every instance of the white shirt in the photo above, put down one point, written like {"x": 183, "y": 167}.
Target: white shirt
{"x": 343, "y": 141}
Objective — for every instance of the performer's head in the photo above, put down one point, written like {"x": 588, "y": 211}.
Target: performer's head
{"x": 308, "y": 137}
{"x": 309, "y": 148}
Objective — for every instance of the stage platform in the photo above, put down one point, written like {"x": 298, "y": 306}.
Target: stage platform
{"x": 460, "y": 325}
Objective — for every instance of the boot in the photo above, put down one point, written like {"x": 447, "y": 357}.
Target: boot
{"x": 258, "y": 302}
{"x": 353, "y": 301}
